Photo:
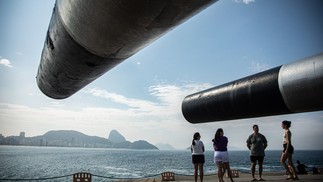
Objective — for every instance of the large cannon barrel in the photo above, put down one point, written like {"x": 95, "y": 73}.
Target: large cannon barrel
{"x": 291, "y": 88}
{"x": 86, "y": 38}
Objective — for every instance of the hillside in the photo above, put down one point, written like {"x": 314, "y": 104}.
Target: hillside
{"x": 164, "y": 146}
{"x": 70, "y": 138}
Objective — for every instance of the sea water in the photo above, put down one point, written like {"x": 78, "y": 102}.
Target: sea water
{"x": 22, "y": 162}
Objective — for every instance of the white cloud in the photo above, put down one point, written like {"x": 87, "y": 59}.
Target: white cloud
{"x": 120, "y": 99}
{"x": 158, "y": 121}
{"x": 168, "y": 96}
{"x": 245, "y": 1}
{"x": 5, "y": 62}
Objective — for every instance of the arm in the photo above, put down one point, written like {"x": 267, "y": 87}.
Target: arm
{"x": 248, "y": 143}
{"x": 202, "y": 145}
{"x": 265, "y": 143}
{"x": 249, "y": 146}
{"x": 214, "y": 145}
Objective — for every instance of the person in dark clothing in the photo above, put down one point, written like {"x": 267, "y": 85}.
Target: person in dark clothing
{"x": 301, "y": 168}
{"x": 221, "y": 155}
{"x": 257, "y": 144}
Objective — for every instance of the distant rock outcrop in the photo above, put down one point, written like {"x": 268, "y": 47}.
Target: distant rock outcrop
{"x": 116, "y": 137}
{"x": 120, "y": 141}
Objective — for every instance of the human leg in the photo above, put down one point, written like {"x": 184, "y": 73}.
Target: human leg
{"x": 260, "y": 170}
{"x": 200, "y": 165}
{"x": 283, "y": 159}
{"x": 253, "y": 167}
{"x": 195, "y": 172}
{"x": 218, "y": 162}
{"x": 227, "y": 167}
{"x": 292, "y": 167}
{"x": 260, "y": 164}
{"x": 225, "y": 163}
{"x": 220, "y": 171}
{"x": 223, "y": 171}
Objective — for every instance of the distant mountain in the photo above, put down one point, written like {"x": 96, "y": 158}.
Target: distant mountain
{"x": 164, "y": 146}
{"x": 142, "y": 144}
{"x": 116, "y": 137}
{"x": 70, "y": 138}
{"x": 120, "y": 141}
{"x": 75, "y": 135}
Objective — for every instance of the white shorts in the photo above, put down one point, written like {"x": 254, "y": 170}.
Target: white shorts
{"x": 221, "y": 156}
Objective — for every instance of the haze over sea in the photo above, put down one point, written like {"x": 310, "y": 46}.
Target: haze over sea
{"x": 21, "y": 162}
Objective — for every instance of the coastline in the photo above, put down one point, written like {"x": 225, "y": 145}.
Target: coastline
{"x": 243, "y": 177}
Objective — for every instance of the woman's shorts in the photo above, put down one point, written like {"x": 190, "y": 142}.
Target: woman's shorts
{"x": 198, "y": 159}
{"x": 290, "y": 149}
{"x": 221, "y": 156}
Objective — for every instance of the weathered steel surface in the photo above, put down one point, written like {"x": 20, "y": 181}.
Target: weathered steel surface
{"x": 86, "y": 38}
{"x": 291, "y": 88}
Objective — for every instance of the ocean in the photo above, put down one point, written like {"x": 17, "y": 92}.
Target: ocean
{"x": 47, "y": 163}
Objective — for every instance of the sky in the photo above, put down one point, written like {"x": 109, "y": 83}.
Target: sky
{"x": 141, "y": 97}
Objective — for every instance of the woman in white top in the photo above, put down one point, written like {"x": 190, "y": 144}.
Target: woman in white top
{"x": 198, "y": 159}
{"x": 288, "y": 151}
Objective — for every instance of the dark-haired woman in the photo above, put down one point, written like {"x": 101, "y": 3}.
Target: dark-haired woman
{"x": 198, "y": 159}
{"x": 288, "y": 151}
{"x": 221, "y": 156}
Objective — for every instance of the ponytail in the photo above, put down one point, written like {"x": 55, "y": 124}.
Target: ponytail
{"x": 195, "y": 137}
{"x": 193, "y": 142}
